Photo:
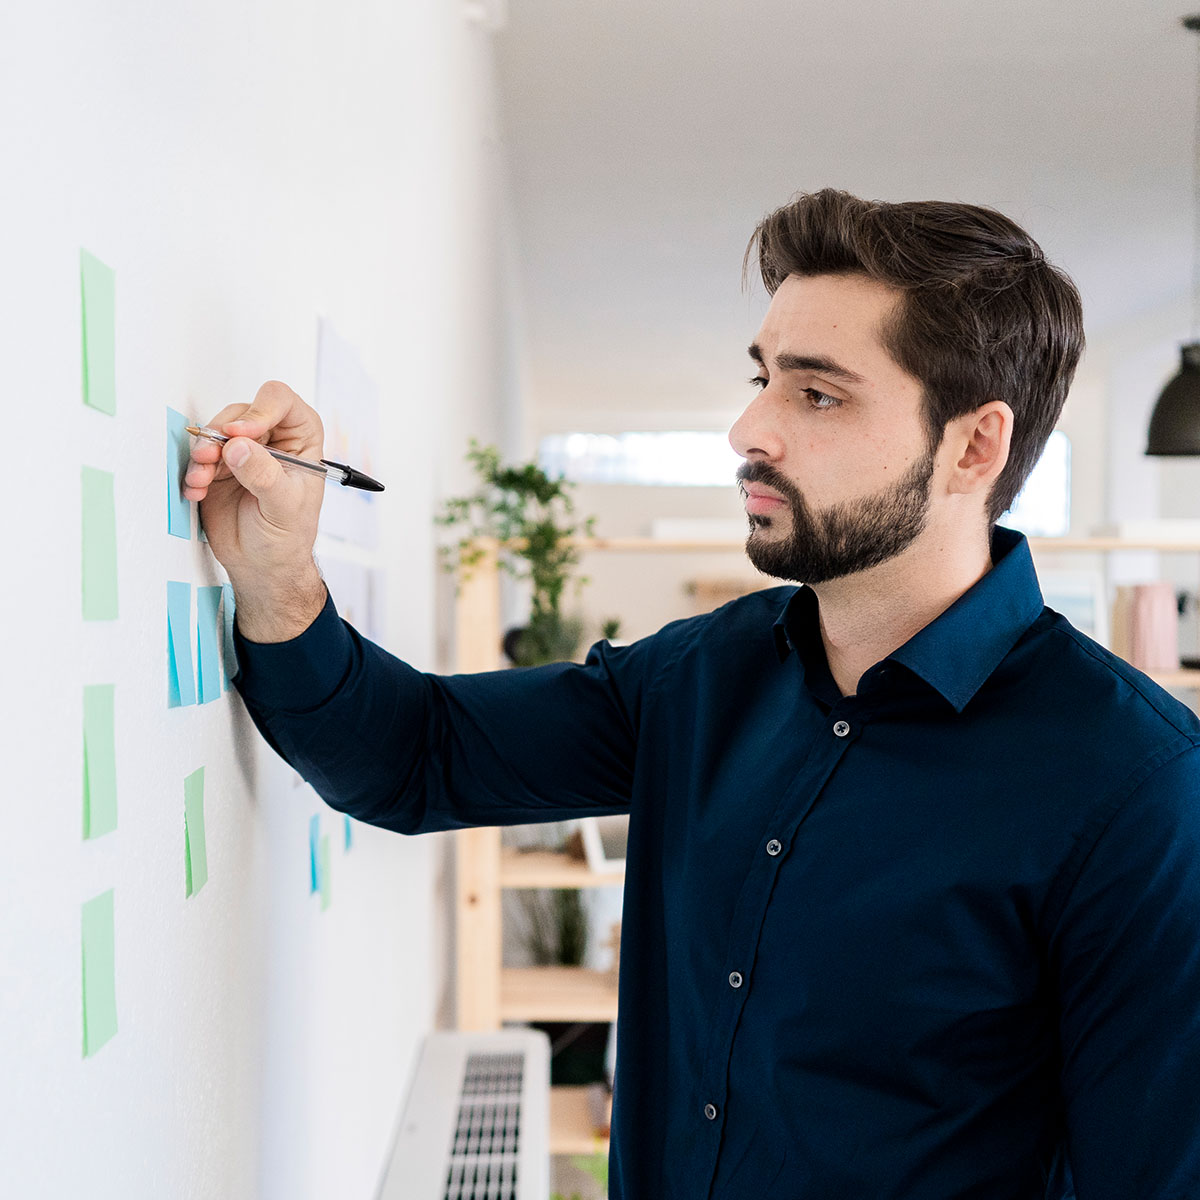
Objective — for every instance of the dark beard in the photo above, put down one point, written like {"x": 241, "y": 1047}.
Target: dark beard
{"x": 845, "y": 539}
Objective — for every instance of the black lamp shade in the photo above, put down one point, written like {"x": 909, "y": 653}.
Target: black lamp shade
{"x": 1175, "y": 422}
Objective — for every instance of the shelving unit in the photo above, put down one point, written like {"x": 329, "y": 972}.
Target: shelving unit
{"x": 488, "y": 994}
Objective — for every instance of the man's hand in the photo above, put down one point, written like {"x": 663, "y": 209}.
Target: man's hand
{"x": 260, "y": 518}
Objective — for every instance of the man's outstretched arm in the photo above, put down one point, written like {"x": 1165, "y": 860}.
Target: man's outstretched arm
{"x": 417, "y": 752}
{"x": 389, "y": 744}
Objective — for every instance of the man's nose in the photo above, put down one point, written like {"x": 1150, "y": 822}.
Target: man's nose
{"x": 755, "y": 434}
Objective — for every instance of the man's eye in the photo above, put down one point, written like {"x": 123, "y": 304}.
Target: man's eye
{"x": 821, "y": 399}
{"x": 758, "y": 381}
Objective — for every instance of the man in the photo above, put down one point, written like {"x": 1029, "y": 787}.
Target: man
{"x": 912, "y": 899}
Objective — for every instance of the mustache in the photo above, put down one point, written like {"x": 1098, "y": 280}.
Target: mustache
{"x": 761, "y": 472}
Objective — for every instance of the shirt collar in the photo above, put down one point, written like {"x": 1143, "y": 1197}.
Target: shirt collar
{"x": 962, "y": 646}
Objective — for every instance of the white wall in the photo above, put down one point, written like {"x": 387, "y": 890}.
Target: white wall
{"x": 244, "y": 167}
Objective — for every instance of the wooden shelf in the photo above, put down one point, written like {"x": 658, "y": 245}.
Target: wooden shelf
{"x": 1112, "y": 543}
{"x": 572, "y": 1122}
{"x": 548, "y": 869}
{"x": 557, "y": 994}
{"x": 1182, "y": 679}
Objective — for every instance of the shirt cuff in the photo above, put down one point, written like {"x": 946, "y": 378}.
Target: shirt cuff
{"x": 297, "y": 675}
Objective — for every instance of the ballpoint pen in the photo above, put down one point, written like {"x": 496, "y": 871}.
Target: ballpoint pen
{"x": 331, "y": 472}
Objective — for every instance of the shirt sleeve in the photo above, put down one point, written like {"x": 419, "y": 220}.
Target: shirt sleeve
{"x": 416, "y": 752}
{"x": 1128, "y": 957}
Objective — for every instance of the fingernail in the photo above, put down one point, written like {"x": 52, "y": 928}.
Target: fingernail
{"x": 236, "y": 453}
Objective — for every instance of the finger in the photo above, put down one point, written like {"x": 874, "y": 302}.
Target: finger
{"x": 264, "y": 478}
{"x": 230, "y": 412}
{"x": 205, "y": 453}
{"x": 205, "y": 450}
{"x": 199, "y": 475}
{"x": 279, "y": 411}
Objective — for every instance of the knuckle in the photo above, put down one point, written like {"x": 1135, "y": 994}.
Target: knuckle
{"x": 229, "y": 413}
{"x": 273, "y": 396}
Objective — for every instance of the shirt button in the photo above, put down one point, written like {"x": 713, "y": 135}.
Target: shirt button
{"x": 841, "y": 729}
{"x": 773, "y": 847}
{"x": 710, "y": 1111}
{"x": 735, "y": 979}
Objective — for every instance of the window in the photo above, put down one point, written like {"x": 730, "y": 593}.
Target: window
{"x": 1043, "y": 508}
{"x": 679, "y": 458}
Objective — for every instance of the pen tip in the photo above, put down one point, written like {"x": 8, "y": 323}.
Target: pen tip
{"x": 191, "y": 429}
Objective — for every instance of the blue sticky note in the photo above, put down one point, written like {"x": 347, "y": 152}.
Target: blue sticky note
{"x": 347, "y": 820}
{"x": 208, "y": 659}
{"x": 314, "y": 850}
{"x": 181, "y": 679}
{"x": 179, "y": 447}
{"x": 230, "y": 655}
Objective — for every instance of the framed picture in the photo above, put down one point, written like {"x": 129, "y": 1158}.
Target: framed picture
{"x": 604, "y": 842}
{"x": 1080, "y": 597}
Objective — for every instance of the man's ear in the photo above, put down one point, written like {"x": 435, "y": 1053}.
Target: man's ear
{"x": 981, "y": 439}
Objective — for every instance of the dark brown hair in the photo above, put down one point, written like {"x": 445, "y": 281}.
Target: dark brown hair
{"x": 983, "y": 315}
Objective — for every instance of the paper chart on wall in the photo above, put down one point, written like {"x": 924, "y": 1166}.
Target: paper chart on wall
{"x": 358, "y": 594}
{"x": 348, "y": 400}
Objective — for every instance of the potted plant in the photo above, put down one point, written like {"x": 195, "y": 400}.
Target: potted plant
{"x": 530, "y": 515}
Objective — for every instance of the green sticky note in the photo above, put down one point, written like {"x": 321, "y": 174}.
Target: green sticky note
{"x": 99, "y": 512}
{"x": 99, "y": 761}
{"x": 324, "y": 872}
{"x": 99, "y": 288}
{"x": 99, "y": 973}
{"x": 195, "y": 851}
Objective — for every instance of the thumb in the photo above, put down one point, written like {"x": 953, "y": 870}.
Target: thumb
{"x": 262, "y": 476}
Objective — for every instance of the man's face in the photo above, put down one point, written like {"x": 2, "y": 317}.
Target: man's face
{"x": 838, "y": 469}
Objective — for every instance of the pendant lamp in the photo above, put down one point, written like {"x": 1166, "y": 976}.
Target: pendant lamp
{"x": 1175, "y": 422}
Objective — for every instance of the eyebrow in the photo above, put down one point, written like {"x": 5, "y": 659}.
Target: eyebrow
{"x": 807, "y": 362}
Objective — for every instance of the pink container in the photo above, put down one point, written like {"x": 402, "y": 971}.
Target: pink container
{"x": 1155, "y": 627}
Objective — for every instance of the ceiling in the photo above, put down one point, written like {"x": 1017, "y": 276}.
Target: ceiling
{"x": 645, "y": 138}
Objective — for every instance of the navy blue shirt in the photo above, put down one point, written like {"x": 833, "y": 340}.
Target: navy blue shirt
{"x": 938, "y": 939}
